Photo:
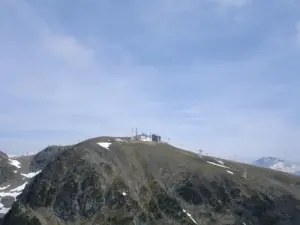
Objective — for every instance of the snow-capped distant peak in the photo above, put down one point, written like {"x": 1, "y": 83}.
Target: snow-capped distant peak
{"x": 285, "y": 167}
{"x": 277, "y": 164}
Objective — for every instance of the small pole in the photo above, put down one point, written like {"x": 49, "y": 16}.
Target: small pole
{"x": 245, "y": 174}
{"x": 200, "y": 152}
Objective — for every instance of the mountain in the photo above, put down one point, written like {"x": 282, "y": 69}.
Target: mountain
{"x": 14, "y": 177}
{"x": 111, "y": 181}
{"x": 278, "y": 164}
{"x": 16, "y": 173}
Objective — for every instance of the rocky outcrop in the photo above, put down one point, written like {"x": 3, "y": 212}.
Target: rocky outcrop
{"x": 41, "y": 159}
{"x": 13, "y": 178}
{"x": 7, "y": 170}
{"x": 148, "y": 184}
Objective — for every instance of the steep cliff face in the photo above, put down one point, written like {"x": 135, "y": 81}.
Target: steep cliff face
{"x": 96, "y": 182}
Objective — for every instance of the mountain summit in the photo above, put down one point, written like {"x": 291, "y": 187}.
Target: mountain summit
{"x": 112, "y": 181}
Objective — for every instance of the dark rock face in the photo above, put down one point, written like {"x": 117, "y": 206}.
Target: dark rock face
{"x": 6, "y": 169}
{"x": 14, "y": 173}
{"x": 41, "y": 159}
{"x": 150, "y": 184}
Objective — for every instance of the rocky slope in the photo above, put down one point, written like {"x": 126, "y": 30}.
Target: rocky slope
{"x": 95, "y": 182}
{"x": 13, "y": 178}
{"x": 41, "y": 159}
{"x": 16, "y": 172}
{"x": 7, "y": 168}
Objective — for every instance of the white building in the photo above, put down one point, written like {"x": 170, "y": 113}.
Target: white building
{"x": 144, "y": 137}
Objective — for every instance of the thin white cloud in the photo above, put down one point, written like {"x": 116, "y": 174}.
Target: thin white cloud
{"x": 231, "y": 3}
{"x": 298, "y": 32}
{"x": 69, "y": 49}
{"x": 165, "y": 16}
{"x": 183, "y": 19}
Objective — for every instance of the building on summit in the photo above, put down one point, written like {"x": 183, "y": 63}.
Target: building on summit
{"x": 146, "y": 137}
{"x": 156, "y": 138}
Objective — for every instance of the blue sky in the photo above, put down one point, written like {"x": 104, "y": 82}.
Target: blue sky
{"x": 220, "y": 75}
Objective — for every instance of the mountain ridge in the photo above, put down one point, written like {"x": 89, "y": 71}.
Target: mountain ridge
{"x": 105, "y": 181}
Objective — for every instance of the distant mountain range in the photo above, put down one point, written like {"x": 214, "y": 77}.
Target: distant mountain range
{"x": 278, "y": 164}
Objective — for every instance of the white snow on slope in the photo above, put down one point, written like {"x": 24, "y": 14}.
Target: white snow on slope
{"x": 31, "y": 175}
{"x": 3, "y": 188}
{"x": 14, "y": 192}
{"x": 228, "y": 171}
{"x": 18, "y": 189}
{"x": 189, "y": 215}
{"x": 216, "y": 164}
{"x": 221, "y": 162}
{"x": 104, "y": 144}
{"x": 11, "y": 194}
{"x": 15, "y": 163}
{"x": 124, "y": 194}
{"x": 4, "y": 210}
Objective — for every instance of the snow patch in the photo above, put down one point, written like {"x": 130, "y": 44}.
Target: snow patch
{"x": 4, "y": 210}
{"x": 15, "y": 163}
{"x": 14, "y": 192}
{"x": 3, "y": 188}
{"x": 216, "y": 164}
{"x": 221, "y": 162}
{"x": 15, "y": 171}
{"x": 11, "y": 194}
{"x": 18, "y": 189}
{"x": 189, "y": 215}
{"x": 104, "y": 144}
{"x": 31, "y": 175}
{"x": 228, "y": 171}
{"x": 124, "y": 194}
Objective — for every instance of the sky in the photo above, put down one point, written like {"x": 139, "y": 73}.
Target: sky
{"x": 217, "y": 75}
